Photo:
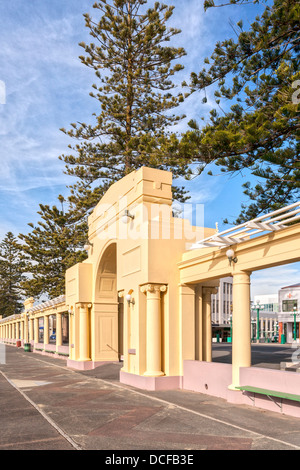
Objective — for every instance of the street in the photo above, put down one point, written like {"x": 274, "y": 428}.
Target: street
{"x": 268, "y": 355}
{"x": 46, "y": 406}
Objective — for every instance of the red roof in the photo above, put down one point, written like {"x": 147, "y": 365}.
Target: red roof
{"x": 290, "y": 287}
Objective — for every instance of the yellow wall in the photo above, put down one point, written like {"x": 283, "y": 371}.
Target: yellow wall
{"x": 125, "y": 257}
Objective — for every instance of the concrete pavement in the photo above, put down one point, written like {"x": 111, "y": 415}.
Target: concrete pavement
{"x": 46, "y": 406}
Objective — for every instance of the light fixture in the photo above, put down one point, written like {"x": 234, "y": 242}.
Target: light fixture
{"x": 127, "y": 216}
{"x": 129, "y": 299}
{"x": 230, "y": 256}
{"x": 257, "y": 306}
{"x": 87, "y": 245}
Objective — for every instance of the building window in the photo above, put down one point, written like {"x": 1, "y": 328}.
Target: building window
{"x": 288, "y": 305}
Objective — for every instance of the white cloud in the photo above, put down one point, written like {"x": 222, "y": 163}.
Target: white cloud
{"x": 44, "y": 81}
{"x": 269, "y": 281}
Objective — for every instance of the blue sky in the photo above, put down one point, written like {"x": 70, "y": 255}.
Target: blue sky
{"x": 47, "y": 88}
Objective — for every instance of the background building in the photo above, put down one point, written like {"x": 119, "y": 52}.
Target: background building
{"x": 221, "y": 310}
{"x": 268, "y": 317}
{"x": 221, "y": 314}
{"x": 289, "y": 315}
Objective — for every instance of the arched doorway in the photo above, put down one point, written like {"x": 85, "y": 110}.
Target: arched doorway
{"x": 107, "y": 315}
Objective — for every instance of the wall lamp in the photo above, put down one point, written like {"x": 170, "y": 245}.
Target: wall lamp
{"x": 127, "y": 216}
{"x": 230, "y": 256}
{"x": 87, "y": 245}
{"x": 129, "y": 299}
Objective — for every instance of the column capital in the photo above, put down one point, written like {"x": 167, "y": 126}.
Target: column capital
{"x": 241, "y": 277}
{"x": 209, "y": 290}
{"x": 84, "y": 305}
{"x": 153, "y": 288}
{"x": 28, "y": 303}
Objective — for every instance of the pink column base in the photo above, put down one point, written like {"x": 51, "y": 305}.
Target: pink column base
{"x": 151, "y": 383}
{"x": 85, "y": 365}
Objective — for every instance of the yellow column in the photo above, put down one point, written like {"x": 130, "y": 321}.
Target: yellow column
{"x": 71, "y": 333}
{"x": 125, "y": 332}
{"x": 26, "y": 329}
{"x": 153, "y": 329}
{"x": 187, "y": 324}
{"x": 241, "y": 326}
{"x": 58, "y": 330}
{"x": 22, "y": 329}
{"x": 198, "y": 324}
{"x": 46, "y": 329}
{"x": 36, "y": 330}
{"x": 31, "y": 329}
{"x": 84, "y": 332}
{"x": 206, "y": 317}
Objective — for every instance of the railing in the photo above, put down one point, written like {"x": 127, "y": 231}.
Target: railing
{"x": 47, "y": 304}
{"x": 274, "y": 221}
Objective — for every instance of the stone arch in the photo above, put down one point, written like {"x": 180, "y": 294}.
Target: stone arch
{"x": 108, "y": 313}
{"x": 106, "y": 275}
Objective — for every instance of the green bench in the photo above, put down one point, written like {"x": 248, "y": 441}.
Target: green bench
{"x": 269, "y": 393}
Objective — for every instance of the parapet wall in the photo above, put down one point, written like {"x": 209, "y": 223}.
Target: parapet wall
{"x": 213, "y": 378}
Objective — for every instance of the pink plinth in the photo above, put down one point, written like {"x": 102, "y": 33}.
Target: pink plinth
{"x": 84, "y": 365}
{"x": 60, "y": 352}
{"x": 151, "y": 383}
{"x": 213, "y": 378}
